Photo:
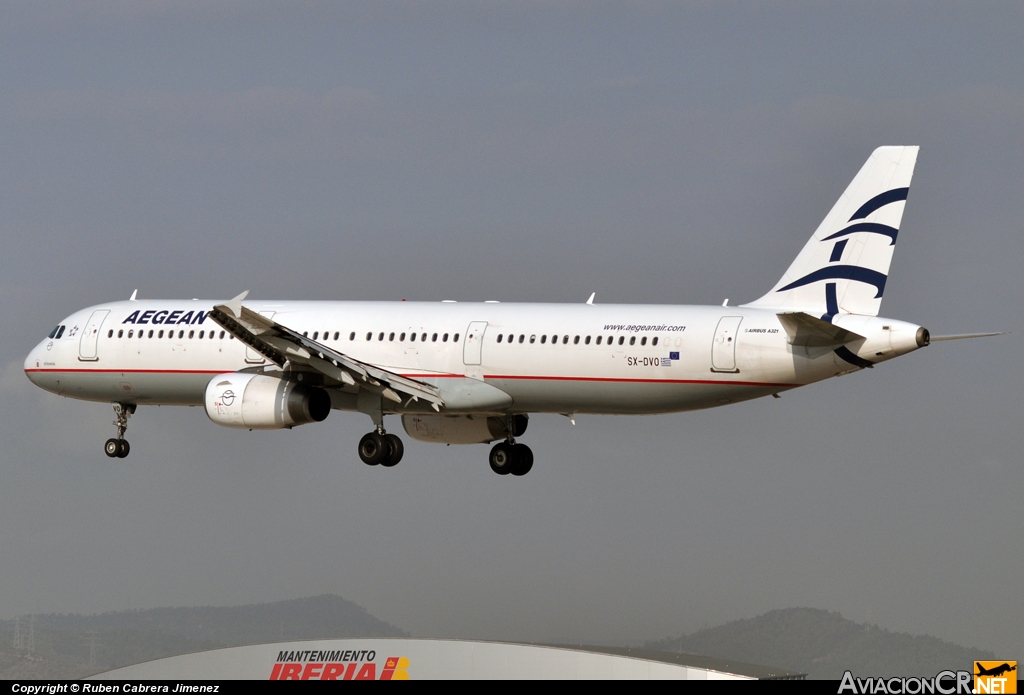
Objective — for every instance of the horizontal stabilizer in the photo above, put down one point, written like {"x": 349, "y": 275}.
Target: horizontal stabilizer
{"x": 805, "y": 330}
{"x": 963, "y": 336}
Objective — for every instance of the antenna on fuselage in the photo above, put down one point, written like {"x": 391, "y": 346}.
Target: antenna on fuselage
{"x": 135, "y": 294}
{"x": 592, "y": 295}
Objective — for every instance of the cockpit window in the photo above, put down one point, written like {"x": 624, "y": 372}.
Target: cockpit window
{"x": 60, "y": 333}
{"x": 53, "y": 333}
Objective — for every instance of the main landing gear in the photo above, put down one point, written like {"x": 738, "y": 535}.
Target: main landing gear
{"x": 509, "y": 457}
{"x": 119, "y": 447}
{"x": 381, "y": 448}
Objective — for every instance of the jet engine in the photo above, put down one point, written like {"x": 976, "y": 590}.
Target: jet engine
{"x": 461, "y": 429}
{"x": 258, "y": 402}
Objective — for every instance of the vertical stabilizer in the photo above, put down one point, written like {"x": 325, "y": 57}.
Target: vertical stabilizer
{"x": 844, "y": 266}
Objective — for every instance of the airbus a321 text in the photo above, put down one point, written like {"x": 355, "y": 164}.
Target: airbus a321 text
{"x": 471, "y": 373}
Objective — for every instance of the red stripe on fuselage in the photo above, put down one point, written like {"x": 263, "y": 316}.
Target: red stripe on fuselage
{"x": 620, "y": 380}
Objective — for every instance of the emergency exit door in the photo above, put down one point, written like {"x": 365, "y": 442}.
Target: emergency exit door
{"x": 472, "y": 349}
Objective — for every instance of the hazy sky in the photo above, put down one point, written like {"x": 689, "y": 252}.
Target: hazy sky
{"x": 651, "y": 152}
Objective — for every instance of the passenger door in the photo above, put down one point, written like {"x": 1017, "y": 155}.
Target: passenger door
{"x": 723, "y": 350}
{"x": 87, "y": 348}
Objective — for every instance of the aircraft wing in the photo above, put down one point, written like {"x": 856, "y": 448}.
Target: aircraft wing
{"x": 283, "y": 346}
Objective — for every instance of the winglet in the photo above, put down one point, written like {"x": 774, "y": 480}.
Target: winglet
{"x": 135, "y": 294}
{"x": 592, "y": 295}
{"x": 236, "y": 304}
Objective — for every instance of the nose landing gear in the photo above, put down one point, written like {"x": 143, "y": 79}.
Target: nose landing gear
{"x": 118, "y": 447}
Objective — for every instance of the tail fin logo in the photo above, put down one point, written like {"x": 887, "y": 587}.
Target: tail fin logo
{"x": 842, "y": 272}
{"x": 881, "y": 200}
{"x": 853, "y": 272}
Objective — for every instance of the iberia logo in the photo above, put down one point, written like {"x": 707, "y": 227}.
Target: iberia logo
{"x": 345, "y": 665}
{"x": 995, "y": 676}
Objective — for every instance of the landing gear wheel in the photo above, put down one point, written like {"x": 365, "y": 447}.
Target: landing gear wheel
{"x": 373, "y": 448}
{"x": 395, "y": 450}
{"x": 522, "y": 459}
{"x": 117, "y": 447}
{"x": 502, "y": 458}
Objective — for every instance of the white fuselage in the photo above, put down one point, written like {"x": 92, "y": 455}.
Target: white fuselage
{"x": 561, "y": 358}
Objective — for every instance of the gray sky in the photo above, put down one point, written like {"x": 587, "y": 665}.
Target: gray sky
{"x": 651, "y": 152}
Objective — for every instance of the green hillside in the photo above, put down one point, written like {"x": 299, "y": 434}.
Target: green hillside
{"x": 823, "y": 644}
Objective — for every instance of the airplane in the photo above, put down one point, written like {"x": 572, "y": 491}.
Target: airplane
{"x": 472, "y": 373}
{"x": 994, "y": 671}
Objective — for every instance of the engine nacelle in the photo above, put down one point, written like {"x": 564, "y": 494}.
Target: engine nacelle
{"x": 460, "y": 429}
{"x": 258, "y": 402}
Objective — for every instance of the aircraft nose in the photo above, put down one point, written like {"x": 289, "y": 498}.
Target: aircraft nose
{"x": 34, "y": 362}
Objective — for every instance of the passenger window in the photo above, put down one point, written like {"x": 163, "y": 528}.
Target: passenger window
{"x": 151, "y": 334}
{"x": 521, "y": 338}
{"x": 455, "y": 338}
{"x": 654, "y": 341}
{"x": 352, "y": 335}
{"x": 576, "y": 340}
{"x": 120, "y": 334}
{"x": 305, "y": 334}
{"x": 622, "y": 339}
{"x": 632, "y": 340}
{"x": 643, "y": 341}
{"x": 201, "y": 334}
{"x": 423, "y": 338}
{"x": 598, "y": 340}
{"x": 433, "y": 338}
{"x": 412, "y": 337}
{"x": 222, "y": 335}
{"x": 380, "y": 337}
{"x": 131, "y": 333}
{"x": 316, "y": 334}
{"x": 444, "y": 338}
{"x": 499, "y": 337}
{"x": 160, "y": 334}
{"x": 533, "y": 339}
{"x": 402, "y": 338}
{"x": 544, "y": 339}
{"x": 587, "y": 340}
{"x": 190, "y": 334}
{"x": 336, "y": 334}
{"x": 554, "y": 339}
{"x": 369, "y": 336}
{"x": 110, "y": 333}
{"x": 565, "y": 340}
